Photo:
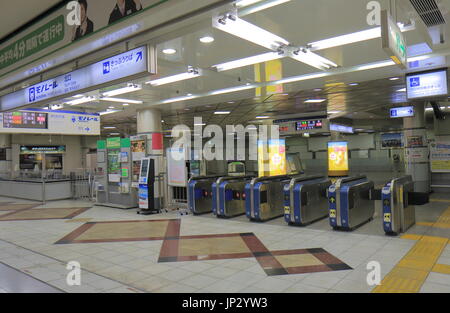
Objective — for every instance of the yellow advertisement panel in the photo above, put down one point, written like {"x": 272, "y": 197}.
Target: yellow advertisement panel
{"x": 272, "y": 158}
{"x": 338, "y": 158}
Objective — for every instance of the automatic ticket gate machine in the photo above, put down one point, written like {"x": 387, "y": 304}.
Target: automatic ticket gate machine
{"x": 305, "y": 200}
{"x": 265, "y": 197}
{"x": 350, "y": 202}
{"x": 200, "y": 194}
{"x": 398, "y": 212}
{"x": 229, "y": 195}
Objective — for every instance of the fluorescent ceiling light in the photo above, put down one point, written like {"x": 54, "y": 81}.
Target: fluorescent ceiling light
{"x": 78, "y": 96}
{"x": 82, "y": 100}
{"x": 334, "y": 112}
{"x": 207, "y": 39}
{"x": 315, "y": 100}
{"x": 343, "y": 40}
{"x": 394, "y": 78}
{"x": 110, "y": 127}
{"x": 56, "y": 106}
{"x": 175, "y": 78}
{"x": 261, "y": 6}
{"x": 300, "y": 78}
{"x": 244, "y": 3}
{"x": 232, "y": 89}
{"x": 262, "y": 117}
{"x": 121, "y": 100}
{"x": 374, "y": 65}
{"x": 108, "y": 112}
{"x": 169, "y": 51}
{"x": 312, "y": 59}
{"x": 222, "y": 112}
{"x": 353, "y": 84}
{"x": 260, "y": 58}
{"x": 418, "y": 58}
{"x": 402, "y": 90}
{"x": 245, "y": 30}
{"x": 114, "y": 134}
{"x": 120, "y": 91}
{"x": 178, "y": 99}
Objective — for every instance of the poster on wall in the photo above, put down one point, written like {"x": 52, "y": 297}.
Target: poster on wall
{"x": 440, "y": 157}
{"x": 272, "y": 157}
{"x": 176, "y": 168}
{"x": 338, "y": 158}
{"x": 415, "y": 141}
{"x": 391, "y": 140}
{"x": 138, "y": 147}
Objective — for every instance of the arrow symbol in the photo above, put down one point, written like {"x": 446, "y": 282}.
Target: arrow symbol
{"x": 139, "y": 56}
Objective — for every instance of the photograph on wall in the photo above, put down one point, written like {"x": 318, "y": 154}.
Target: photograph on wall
{"x": 415, "y": 141}
{"x": 391, "y": 140}
{"x": 138, "y": 149}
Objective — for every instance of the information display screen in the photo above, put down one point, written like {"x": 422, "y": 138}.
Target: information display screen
{"x": 338, "y": 158}
{"x": 427, "y": 84}
{"x": 308, "y": 125}
{"x": 25, "y": 120}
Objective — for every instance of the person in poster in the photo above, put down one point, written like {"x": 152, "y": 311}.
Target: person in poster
{"x": 86, "y": 26}
{"x": 124, "y": 8}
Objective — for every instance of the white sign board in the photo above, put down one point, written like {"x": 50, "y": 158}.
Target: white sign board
{"x": 125, "y": 65}
{"x": 393, "y": 40}
{"x": 427, "y": 84}
{"x": 60, "y": 123}
{"x": 402, "y": 112}
{"x": 176, "y": 168}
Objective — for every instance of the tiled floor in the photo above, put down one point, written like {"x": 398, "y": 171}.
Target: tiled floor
{"x": 120, "y": 251}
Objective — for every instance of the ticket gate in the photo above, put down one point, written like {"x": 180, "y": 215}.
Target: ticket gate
{"x": 229, "y": 195}
{"x": 305, "y": 200}
{"x": 200, "y": 193}
{"x": 265, "y": 197}
{"x": 398, "y": 212}
{"x": 350, "y": 202}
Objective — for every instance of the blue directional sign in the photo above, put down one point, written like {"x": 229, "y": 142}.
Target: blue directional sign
{"x": 122, "y": 66}
{"x": 402, "y": 112}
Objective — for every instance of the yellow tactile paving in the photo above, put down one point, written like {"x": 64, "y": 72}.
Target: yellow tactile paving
{"x": 442, "y": 222}
{"x": 412, "y": 271}
{"x": 440, "y": 200}
{"x": 411, "y": 237}
{"x": 441, "y": 268}
{"x": 425, "y": 224}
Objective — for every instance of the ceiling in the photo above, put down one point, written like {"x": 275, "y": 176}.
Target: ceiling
{"x": 298, "y": 21}
{"x": 19, "y": 12}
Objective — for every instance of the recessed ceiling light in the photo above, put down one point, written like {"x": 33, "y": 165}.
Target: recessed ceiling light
{"x": 262, "y": 117}
{"x": 207, "y": 39}
{"x": 394, "y": 78}
{"x": 125, "y": 104}
{"x": 353, "y": 84}
{"x": 169, "y": 51}
{"x": 315, "y": 100}
{"x": 222, "y": 112}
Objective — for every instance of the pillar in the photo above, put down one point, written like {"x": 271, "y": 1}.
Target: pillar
{"x": 416, "y": 149}
{"x": 149, "y": 125}
{"x": 5, "y": 155}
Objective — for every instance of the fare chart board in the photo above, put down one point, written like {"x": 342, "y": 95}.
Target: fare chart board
{"x": 32, "y": 120}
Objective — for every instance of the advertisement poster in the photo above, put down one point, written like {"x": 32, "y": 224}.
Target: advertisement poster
{"x": 338, "y": 158}
{"x": 415, "y": 141}
{"x": 176, "y": 168}
{"x": 391, "y": 140}
{"x": 440, "y": 157}
{"x": 272, "y": 157}
{"x": 138, "y": 148}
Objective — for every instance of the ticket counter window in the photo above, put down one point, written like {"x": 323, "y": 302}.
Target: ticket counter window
{"x": 31, "y": 162}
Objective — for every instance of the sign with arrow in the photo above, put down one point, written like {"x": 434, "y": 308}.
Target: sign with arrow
{"x": 402, "y": 112}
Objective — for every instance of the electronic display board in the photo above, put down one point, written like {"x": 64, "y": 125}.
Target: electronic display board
{"x": 25, "y": 120}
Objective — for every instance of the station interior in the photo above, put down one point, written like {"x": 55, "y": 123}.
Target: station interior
{"x": 246, "y": 146}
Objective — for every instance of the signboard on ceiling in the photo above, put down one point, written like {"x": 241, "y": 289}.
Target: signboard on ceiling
{"x": 402, "y": 112}
{"x": 302, "y": 125}
{"x": 341, "y": 128}
{"x": 58, "y": 30}
{"x": 425, "y": 85}
{"x": 393, "y": 41}
{"x": 440, "y": 157}
{"x": 130, "y": 64}
{"x": 46, "y": 122}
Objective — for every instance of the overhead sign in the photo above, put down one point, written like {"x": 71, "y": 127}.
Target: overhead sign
{"x": 302, "y": 125}
{"x": 341, "y": 128}
{"x": 128, "y": 65}
{"x": 393, "y": 41}
{"x": 55, "y": 122}
{"x": 429, "y": 84}
{"x": 402, "y": 112}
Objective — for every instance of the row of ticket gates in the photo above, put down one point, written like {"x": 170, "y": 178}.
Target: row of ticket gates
{"x": 347, "y": 202}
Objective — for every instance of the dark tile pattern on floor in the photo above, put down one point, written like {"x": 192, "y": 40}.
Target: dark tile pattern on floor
{"x": 32, "y": 213}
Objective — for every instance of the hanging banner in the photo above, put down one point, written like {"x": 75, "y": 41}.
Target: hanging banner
{"x": 440, "y": 157}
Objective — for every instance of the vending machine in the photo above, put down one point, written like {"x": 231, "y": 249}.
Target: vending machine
{"x": 147, "y": 187}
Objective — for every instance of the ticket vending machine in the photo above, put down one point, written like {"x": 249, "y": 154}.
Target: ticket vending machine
{"x": 147, "y": 187}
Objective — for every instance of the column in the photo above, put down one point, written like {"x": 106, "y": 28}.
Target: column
{"x": 5, "y": 155}
{"x": 416, "y": 149}
{"x": 149, "y": 125}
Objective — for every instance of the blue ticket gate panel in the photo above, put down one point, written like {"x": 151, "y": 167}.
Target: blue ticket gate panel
{"x": 350, "y": 202}
{"x": 398, "y": 213}
{"x": 229, "y": 195}
{"x": 265, "y": 198}
{"x": 200, "y": 194}
{"x": 305, "y": 200}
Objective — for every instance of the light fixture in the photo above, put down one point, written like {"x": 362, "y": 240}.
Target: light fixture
{"x": 359, "y": 36}
{"x": 260, "y": 58}
{"x": 394, "y": 78}
{"x": 353, "y": 84}
{"x": 262, "y": 117}
{"x": 222, "y": 112}
{"x": 318, "y": 89}
{"x": 120, "y": 91}
{"x": 78, "y": 96}
{"x": 108, "y": 112}
{"x": 110, "y": 127}
{"x": 402, "y": 90}
{"x": 315, "y": 100}
{"x": 122, "y": 100}
{"x": 125, "y": 104}
{"x": 111, "y": 107}
{"x": 191, "y": 73}
{"x": 207, "y": 39}
{"x": 178, "y": 99}
{"x": 334, "y": 112}
{"x": 233, "y": 25}
{"x": 305, "y": 56}
{"x": 82, "y": 100}
{"x": 56, "y": 106}
{"x": 169, "y": 51}
{"x": 256, "y": 6}
{"x": 114, "y": 134}
{"x": 371, "y": 66}
{"x": 232, "y": 89}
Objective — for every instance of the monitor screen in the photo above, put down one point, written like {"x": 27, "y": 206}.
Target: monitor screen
{"x": 144, "y": 168}
{"x": 428, "y": 84}
{"x": 25, "y": 120}
{"x": 308, "y": 125}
